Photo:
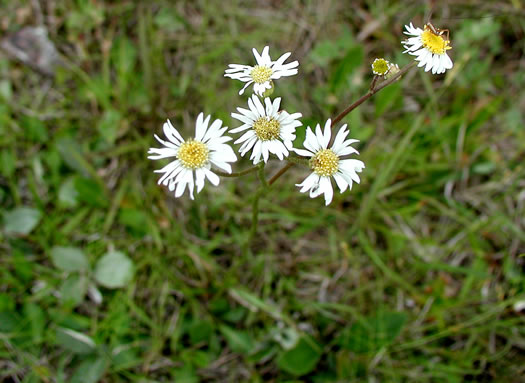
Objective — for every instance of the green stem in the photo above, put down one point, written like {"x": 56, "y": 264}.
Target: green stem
{"x": 261, "y": 176}
{"x": 255, "y": 205}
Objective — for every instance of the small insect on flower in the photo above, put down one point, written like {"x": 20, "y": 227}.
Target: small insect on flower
{"x": 193, "y": 157}
{"x": 268, "y": 129}
{"x": 430, "y": 46}
{"x": 326, "y": 163}
{"x": 262, "y": 74}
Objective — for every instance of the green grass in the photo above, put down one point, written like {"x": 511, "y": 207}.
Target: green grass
{"x": 410, "y": 277}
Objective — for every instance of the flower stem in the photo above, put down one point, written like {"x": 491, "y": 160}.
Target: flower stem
{"x": 237, "y": 174}
{"x": 280, "y": 172}
{"x": 261, "y": 176}
{"x": 263, "y": 188}
{"x": 373, "y": 90}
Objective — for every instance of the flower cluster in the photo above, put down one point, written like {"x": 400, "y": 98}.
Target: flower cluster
{"x": 268, "y": 130}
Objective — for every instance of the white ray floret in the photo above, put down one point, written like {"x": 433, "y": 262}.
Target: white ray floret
{"x": 262, "y": 74}
{"x": 430, "y": 46}
{"x": 193, "y": 158}
{"x": 326, "y": 162}
{"x": 267, "y": 130}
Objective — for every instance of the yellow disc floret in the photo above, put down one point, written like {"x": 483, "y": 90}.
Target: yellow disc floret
{"x": 193, "y": 154}
{"x": 380, "y": 67}
{"x": 267, "y": 129}
{"x": 260, "y": 74}
{"x": 433, "y": 42}
{"x": 325, "y": 163}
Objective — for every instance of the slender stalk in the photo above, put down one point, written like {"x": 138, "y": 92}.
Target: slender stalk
{"x": 255, "y": 212}
{"x": 373, "y": 90}
{"x": 255, "y": 204}
{"x": 261, "y": 176}
{"x": 237, "y": 174}
{"x": 280, "y": 172}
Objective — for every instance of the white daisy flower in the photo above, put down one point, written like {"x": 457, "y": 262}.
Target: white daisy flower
{"x": 429, "y": 46}
{"x": 194, "y": 157}
{"x": 262, "y": 74}
{"x": 326, "y": 162}
{"x": 268, "y": 129}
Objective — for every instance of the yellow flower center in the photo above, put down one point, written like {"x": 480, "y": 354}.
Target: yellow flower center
{"x": 433, "y": 42}
{"x": 193, "y": 154}
{"x": 325, "y": 163}
{"x": 266, "y": 129}
{"x": 380, "y": 67}
{"x": 261, "y": 74}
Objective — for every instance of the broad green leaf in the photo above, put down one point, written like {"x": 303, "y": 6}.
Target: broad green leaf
{"x": 69, "y": 258}
{"x": 136, "y": 220}
{"x": 300, "y": 359}
{"x": 114, "y": 270}
{"x": 36, "y": 317}
{"x": 21, "y": 221}
{"x": 238, "y": 340}
{"x": 109, "y": 125}
{"x": 9, "y": 321}
{"x": 185, "y": 374}
{"x": 200, "y": 330}
{"x": 74, "y": 341}
{"x": 90, "y": 370}
{"x": 373, "y": 332}
{"x": 67, "y": 194}
{"x": 349, "y": 63}
{"x": 7, "y": 162}
{"x": 74, "y": 289}
{"x": 73, "y": 156}
{"x": 90, "y": 192}
{"x": 34, "y": 128}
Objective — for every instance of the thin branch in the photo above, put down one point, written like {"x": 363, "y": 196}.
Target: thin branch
{"x": 280, "y": 173}
{"x": 371, "y": 92}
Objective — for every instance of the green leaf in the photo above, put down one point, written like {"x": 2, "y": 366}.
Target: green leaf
{"x": 90, "y": 370}
{"x": 109, "y": 125}
{"x": 239, "y": 341}
{"x": 21, "y": 221}
{"x": 36, "y": 317}
{"x": 9, "y": 321}
{"x": 69, "y": 258}
{"x": 67, "y": 194}
{"x": 352, "y": 60}
{"x": 327, "y": 50}
{"x": 114, "y": 270}
{"x": 185, "y": 374}
{"x": 74, "y": 289}
{"x": 7, "y": 162}
{"x": 74, "y": 341}
{"x": 73, "y": 156}
{"x": 136, "y": 220}
{"x": 373, "y": 332}
{"x": 90, "y": 192}
{"x": 302, "y": 358}
{"x": 34, "y": 129}
{"x": 200, "y": 330}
